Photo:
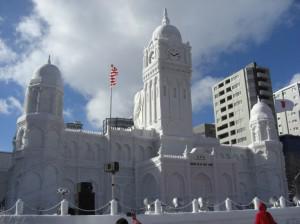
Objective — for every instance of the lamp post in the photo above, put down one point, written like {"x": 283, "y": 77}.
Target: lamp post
{"x": 112, "y": 168}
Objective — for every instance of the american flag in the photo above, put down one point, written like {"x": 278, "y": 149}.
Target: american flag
{"x": 113, "y": 76}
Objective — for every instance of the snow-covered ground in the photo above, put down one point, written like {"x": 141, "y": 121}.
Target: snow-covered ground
{"x": 290, "y": 215}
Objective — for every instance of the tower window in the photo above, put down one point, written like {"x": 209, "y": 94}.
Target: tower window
{"x": 184, "y": 93}
{"x": 174, "y": 92}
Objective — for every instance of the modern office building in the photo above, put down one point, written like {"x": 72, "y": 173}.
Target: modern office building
{"x": 207, "y": 130}
{"x": 287, "y": 106}
{"x": 233, "y": 99}
{"x": 291, "y": 145}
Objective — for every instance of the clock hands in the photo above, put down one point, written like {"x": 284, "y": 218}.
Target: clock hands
{"x": 174, "y": 54}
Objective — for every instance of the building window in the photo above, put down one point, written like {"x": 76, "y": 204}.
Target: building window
{"x": 223, "y": 118}
{"x": 184, "y": 93}
{"x": 229, "y": 97}
{"x": 235, "y": 85}
{"x": 223, "y": 135}
{"x": 174, "y": 92}
{"x": 237, "y": 103}
{"x": 235, "y": 77}
{"x": 237, "y": 94}
{"x": 227, "y": 81}
{"x": 222, "y": 127}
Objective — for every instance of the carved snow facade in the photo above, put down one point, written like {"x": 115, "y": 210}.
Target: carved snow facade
{"x": 159, "y": 158}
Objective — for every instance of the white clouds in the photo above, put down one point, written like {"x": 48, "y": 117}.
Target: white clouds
{"x": 295, "y": 78}
{"x": 6, "y": 54}
{"x": 98, "y": 107}
{"x": 10, "y": 105}
{"x": 85, "y": 37}
{"x": 202, "y": 93}
{"x": 30, "y": 28}
{"x": 68, "y": 113}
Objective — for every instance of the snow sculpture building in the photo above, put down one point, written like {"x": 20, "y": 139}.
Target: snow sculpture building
{"x": 160, "y": 157}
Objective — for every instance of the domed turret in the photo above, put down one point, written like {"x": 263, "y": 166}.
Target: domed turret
{"x": 45, "y": 91}
{"x": 261, "y": 111}
{"x": 48, "y": 75}
{"x": 166, "y": 31}
{"x": 262, "y": 124}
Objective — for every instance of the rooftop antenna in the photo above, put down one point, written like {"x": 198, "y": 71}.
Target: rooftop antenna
{"x": 258, "y": 99}
{"x": 165, "y": 20}
{"x": 49, "y": 59}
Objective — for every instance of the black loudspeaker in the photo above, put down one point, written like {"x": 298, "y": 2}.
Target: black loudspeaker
{"x": 86, "y": 187}
{"x": 85, "y": 198}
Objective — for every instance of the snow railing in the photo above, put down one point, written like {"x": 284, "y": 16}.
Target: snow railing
{"x": 156, "y": 207}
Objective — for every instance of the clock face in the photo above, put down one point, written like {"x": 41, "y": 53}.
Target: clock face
{"x": 174, "y": 54}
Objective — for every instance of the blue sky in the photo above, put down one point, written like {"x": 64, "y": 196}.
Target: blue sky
{"x": 83, "y": 39}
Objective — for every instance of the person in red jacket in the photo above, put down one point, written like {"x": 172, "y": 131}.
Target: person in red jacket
{"x": 263, "y": 217}
{"x": 135, "y": 220}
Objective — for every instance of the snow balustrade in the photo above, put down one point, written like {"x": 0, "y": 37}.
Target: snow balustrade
{"x": 155, "y": 208}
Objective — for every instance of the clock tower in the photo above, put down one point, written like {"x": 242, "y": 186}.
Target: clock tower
{"x": 164, "y": 103}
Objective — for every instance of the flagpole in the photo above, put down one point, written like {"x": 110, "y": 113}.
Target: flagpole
{"x": 110, "y": 140}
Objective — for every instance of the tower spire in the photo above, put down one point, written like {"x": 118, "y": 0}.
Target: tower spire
{"x": 165, "y": 20}
{"x": 49, "y": 59}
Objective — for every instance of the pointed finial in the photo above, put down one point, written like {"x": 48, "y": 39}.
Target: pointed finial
{"x": 49, "y": 59}
{"x": 165, "y": 20}
{"x": 258, "y": 99}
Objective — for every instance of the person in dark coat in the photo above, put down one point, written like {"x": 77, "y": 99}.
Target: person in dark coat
{"x": 121, "y": 221}
{"x": 263, "y": 217}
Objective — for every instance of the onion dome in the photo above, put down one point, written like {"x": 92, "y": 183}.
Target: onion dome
{"x": 48, "y": 75}
{"x": 166, "y": 31}
{"x": 261, "y": 111}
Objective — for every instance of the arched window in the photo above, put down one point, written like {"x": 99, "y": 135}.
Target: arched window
{"x": 202, "y": 186}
